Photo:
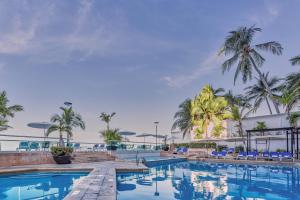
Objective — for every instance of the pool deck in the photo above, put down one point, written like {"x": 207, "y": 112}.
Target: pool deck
{"x": 100, "y": 183}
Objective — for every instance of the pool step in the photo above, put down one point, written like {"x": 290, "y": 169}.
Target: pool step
{"x": 86, "y": 157}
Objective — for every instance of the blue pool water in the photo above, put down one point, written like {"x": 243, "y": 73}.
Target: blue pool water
{"x": 199, "y": 180}
{"x": 38, "y": 185}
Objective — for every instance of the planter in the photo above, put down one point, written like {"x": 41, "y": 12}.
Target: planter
{"x": 111, "y": 148}
{"x": 66, "y": 159}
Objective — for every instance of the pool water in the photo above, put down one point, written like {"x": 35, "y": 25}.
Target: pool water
{"x": 199, "y": 180}
{"x": 38, "y": 185}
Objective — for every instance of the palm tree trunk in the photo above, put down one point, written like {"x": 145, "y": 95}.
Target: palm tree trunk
{"x": 269, "y": 105}
{"x": 241, "y": 132}
{"x": 61, "y": 140}
{"x": 266, "y": 85}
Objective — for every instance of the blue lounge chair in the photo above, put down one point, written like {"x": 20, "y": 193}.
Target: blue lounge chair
{"x": 34, "y": 146}
{"x": 24, "y": 145}
{"x": 286, "y": 155}
{"x": 230, "y": 151}
{"x": 274, "y": 155}
{"x": 252, "y": 155}
{"x": 76, "y": 146}
{"x": 266, "y": 155}
{"x": 222, "y": 154}
{"x": 214, "y": 154}
{"x": 45, "y": 145}
{"x": 242, "y": 155}
{"x": 183, "y": 150}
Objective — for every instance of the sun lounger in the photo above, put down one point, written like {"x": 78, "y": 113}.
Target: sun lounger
{"x": 45, "y": 145}
{"x": 76, "y": 146}
{"x": 274, "y": 155}
{"x": 230, "y": 151}
{"x": 242, "y": 155}
{"x": 183, "y": 150}
{"x": 23, "y": 145}
{"x": 34, "y": 146}
{"x": 222, "y": 154}
{"x": 214, "y": 154}
{"x": 286, "y": 155}
{"x": 252, "y": 155}
{"x": 266, "y": 155}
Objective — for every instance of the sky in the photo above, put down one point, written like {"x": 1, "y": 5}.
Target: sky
{"x": 138, "y": 58}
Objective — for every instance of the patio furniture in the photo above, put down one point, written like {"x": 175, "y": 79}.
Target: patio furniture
{"x": 266, "y": 155}
{"x": 34, "y": 146}
{"x": 222, "y": 154}
{"x": 45, "y": 145}
{"x": 286, "y": 155}
{"x": 230, "y": 151}
{"x": 214, "y": 154}
{"x": 24, "y": 145}
{"x": 76, "y": 146}
{"x": 242, "y": 155}
{"x": 252, "y": 155}
{"x": 183, "y": 150}
{"x": 274, "y": 155}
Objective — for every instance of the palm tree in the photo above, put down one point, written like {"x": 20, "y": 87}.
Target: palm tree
{"x": 72, "y": 120}
{"x": 293, "y": 119}
{"x": 6, "y": 110}
{"x": 65, "y": 123}
{"x": 288, "y": 99}
{"x": 258, "y": 92}
{"x": 111, "y": 135}
{"x": 107, "y": 118}
{"x": 207, "y": 108}
{"x": 183, "y": 117}
{"x": 295, "y": 60}
{"x": 240, "y": 109}
{"x": 246, "y": 55}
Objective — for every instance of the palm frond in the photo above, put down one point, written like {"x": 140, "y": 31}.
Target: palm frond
{"x": 273, "y": 47}
{"x": 295, "y": 60}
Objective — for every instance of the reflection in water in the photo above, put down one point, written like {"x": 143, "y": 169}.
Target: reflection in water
{"x": 46, "y": 186}
{"x": 198, "y": 180}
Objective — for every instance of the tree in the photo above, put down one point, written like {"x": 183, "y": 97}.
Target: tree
{"x": 288, "y": 99}
{"x": 258, "y": 92}
{"x": 295, "y": 60}
{"x": 246, "y": 55}
{"x": 240, "y": 109}
{"x": 107, "y": 118}
{"x": 7, "y": 111}
{"x": 260, "y": 125}
{"x": 183, "y": 118}
{"x": 207, "y": 108}
{"x": 111, "y": 135}
{"x": 293, "y": 119}
{"x": 65, "y": 123}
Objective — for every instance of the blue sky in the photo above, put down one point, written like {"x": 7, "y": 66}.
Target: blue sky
{"x": 138, "y": 58}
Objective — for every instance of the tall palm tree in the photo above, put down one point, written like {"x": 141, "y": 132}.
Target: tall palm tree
{"x": 183, "y": 118}
{"x": 288, "y": 99}
{"x": 258, "y": 92}
{"x": 239, "y": 44}
{"x": 65, "y": 123}
{"x": 295, "y": 60}
{"x": 107, "y": 118}
{"x": 207, "y": 108}
{"x": 6, "y": 110}
{"x": 72, "y": 120}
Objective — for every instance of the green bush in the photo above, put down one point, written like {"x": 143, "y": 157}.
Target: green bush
{"x": 221, "y": 147}
{"x": 197, "y": 145}
{"x": 280, "y": 150}
{"x": 61, "y": 151}
{"x": 239, "y": 149}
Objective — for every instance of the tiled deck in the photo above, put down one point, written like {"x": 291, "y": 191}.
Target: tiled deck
{"x": 99, "y": 184}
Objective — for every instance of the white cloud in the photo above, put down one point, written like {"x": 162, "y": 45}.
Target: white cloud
{"x": 207, "y": 66}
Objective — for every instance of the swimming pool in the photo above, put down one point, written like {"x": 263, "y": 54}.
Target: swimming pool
{"x": 38, "y": 185}
{"x": 199, "y": 180}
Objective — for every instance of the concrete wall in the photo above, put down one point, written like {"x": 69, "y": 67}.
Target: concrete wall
{"x": 25, "y": 158}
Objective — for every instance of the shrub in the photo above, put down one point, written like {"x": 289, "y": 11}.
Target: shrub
{"x": 197, "y": 145}
{"x": 61, "y": 151}
{"x": 221, "y": 147}
{"x": 239, "y": 149}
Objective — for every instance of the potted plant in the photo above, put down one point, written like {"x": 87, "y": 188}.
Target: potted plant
{"x": 62, "y": 155}
{"x": 111, "y": 138}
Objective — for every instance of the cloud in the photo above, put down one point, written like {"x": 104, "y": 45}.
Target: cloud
{"x": 207, "y": 66}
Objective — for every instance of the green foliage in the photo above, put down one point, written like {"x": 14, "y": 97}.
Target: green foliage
{"x": 260, "y": 125}
{"x": 107, "y": 118}
{"x": 197, "y": 145}
{"x": 280, "y": 150}
{"x": 293, "y": 119}
{"x": 239, "y": 148}
{"x": 61, "y": 151}
{"x": 65, "y": 123}
{"x": 295, "y": 60}
{"x": 7, "y": 111}
{"x": 221, "y": 147}
{"x": 207, "y": 108}
{"x": 183, "y": 117}
{"x": 110, "y": 135}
